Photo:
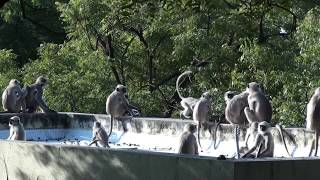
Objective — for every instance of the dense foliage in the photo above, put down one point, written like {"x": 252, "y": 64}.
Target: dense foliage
{"x": 86, "y": 47}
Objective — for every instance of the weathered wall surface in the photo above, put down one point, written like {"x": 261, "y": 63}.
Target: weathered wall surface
{"x": 24, "y": 160}
{"x": 35, "y": 161}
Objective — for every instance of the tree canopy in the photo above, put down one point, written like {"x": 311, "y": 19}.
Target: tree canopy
{"x": 87, "y": 47}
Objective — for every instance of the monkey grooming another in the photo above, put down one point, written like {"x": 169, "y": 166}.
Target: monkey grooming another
{"x": 264, "y": 144}
{"x": 259, "y": 106}
{"x": 187, "y": 103}
{"x": 234, "y": 112}
{"x": 99, "y": 135}
{"x": 188, "y": 142}
{"x": 13, "y": 97}
{"x": 16, "y": 129}
{"x": 117, "y": 105}
{"x": 201, "y": 112}
{"x": 34, "y": 96}
{"x": 313, "y": 119}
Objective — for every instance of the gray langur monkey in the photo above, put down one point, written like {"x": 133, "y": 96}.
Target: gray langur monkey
{"x": 229, "y": 95}
{"x": 260, "y": 109}
{"x": 313, "y": 119}
{"x": 259, "y": 106}
{"x": 117, "y": 105}
{"x": 188, "y": 143}
{"x": 234, "y": 113}
{"x": 100, "y": 135}
{"x": 16, "y": 129}
{"x": 251, "y": 133}
{"x": 187, "y": 103}
{"x": 264, "y": 143}
{"x": 13, "y": 97}
{"x": 34, "y": 96}
{"x": 201, "y": 111}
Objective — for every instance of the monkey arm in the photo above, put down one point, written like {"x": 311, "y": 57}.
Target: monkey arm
{"x": 256, "y": 144}
{"x": 247, "y": 138}
{"x": 11, "y": 134}
{"x": 41, "y": 103}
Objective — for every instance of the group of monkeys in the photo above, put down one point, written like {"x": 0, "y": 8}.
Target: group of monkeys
{"x": 248, "y": 107}
{"x": 16, "y": 99}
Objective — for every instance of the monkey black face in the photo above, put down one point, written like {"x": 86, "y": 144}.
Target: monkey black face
{"x": 263, "y": 126}
{"x": 15, "y": 120}
{"x": 97, "y": 124}
{"x": 121, "y": 88}
{"x": 191, "y": 128}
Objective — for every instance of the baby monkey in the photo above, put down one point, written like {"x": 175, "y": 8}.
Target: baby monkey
{"x": 99, "y": 135}
{"x": 16, "y": 129}
{"x": 264, "y": 144}
{"x": 188, "y": 142}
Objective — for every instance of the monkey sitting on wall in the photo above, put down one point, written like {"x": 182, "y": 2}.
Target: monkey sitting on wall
{"x": 34, "y": 96}
{"x": 13, "y": 97}
{"x": 16, "y": 129}
{"x": 188, "y": 142}
{"x": 264, "y": 143}
{"x": 99, "y": 135}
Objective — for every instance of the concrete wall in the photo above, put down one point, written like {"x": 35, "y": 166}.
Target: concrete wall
{"x": 35, "y": 161}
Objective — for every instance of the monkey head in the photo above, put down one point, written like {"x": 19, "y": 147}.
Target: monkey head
{"x": 253, "y": 87}
{"x": 206, "y": 95}
{"x": 14, "y": 82}
{"x": 264, "y": 127}
{"x": 122, "y": 89}
{"x": 254, "y": 125}
{"x": 14, "y": 121}
{"x": 317, "y": 91}
{"x": 229, "y": 95}
{"x": 42, "y": 81}
{"x": 96, "y": 124}
{"x": 191, "y": 128}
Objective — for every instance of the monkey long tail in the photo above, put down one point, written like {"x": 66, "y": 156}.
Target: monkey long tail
{"x": 178, "y": 82}
{"x": 215, "y": 132}
{"x": 283, "y": 139}
{"x": 111, "y": 125}
{"x": 198, "y": 128}
{"x": 237, "y": 140}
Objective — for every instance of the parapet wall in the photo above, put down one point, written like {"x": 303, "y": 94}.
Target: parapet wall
{"x": 31, "y": 160}
{"x": 164, "y": 126}
{"x": 26, "y": 160}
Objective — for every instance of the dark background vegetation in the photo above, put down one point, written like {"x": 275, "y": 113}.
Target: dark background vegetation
{"x": 86, "y": 47}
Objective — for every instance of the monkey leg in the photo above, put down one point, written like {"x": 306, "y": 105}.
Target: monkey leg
{"x": 94, "y": 142}
{"x": 316, "y": 144}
